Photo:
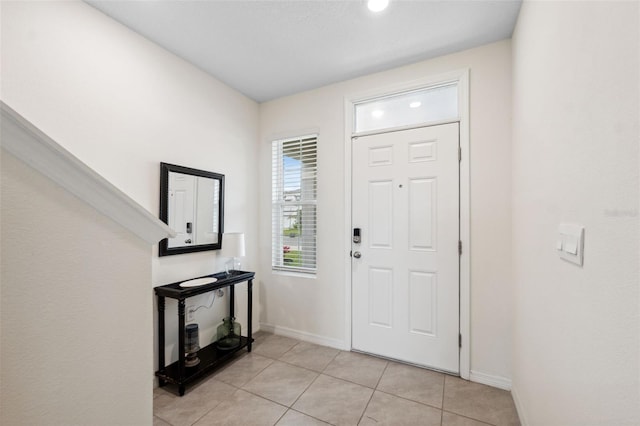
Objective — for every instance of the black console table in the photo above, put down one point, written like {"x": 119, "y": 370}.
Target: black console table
{"x": 210, "y": 356}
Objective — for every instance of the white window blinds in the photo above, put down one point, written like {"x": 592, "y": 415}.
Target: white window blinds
{"x": 294, "y": 207}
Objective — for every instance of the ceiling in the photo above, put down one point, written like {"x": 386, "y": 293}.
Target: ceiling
{"x": 269, "y": 49}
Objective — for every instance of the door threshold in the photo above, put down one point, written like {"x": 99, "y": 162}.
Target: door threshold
{"x": 399, "y": 361}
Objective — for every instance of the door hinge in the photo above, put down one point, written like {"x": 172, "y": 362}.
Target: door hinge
{"x": 459, "y": 340}
{"x": 459, "y": 154}
{"x": 459, "y": 247}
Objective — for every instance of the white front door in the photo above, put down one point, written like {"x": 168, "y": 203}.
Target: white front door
{"x": 405, "y": 200}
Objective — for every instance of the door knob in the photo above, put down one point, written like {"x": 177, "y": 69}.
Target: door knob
{"x": 357, "y": 254}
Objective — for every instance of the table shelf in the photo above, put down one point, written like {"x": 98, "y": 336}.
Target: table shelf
{"x": 210, "y": 359}
{"x": 210, "y": 356}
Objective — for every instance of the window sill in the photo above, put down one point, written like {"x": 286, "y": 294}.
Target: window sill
{"x": 296, "y": 274}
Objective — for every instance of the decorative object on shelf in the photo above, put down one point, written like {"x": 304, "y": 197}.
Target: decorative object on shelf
{"x": 191, "y": 346}
{"x": 228, "y": 334}
{"x": 198, "y": 282}
{"x": 233, "y": 247}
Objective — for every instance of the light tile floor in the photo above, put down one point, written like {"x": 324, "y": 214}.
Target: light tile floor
{"x": 286, "y": 382}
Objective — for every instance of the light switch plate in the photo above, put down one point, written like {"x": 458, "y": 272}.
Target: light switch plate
{"x": 570, "y": 243}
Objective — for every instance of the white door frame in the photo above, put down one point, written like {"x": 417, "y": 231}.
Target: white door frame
{"x": 462, "y": 78}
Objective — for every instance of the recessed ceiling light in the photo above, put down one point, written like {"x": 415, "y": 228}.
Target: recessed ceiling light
{"x": 415, "y": 104}
{"x": 377, "y": 113}
{"x": 377, "y": 5}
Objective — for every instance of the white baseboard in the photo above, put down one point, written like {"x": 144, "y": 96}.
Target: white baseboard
{"x": 304, "y": 336}
{"x": 501, "y": 383}
{"x": 519, "y": 407}
{"x": 490, "y": 380}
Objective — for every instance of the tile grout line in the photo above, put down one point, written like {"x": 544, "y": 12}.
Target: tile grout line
{"x": 218, "y": 404}
{"x": 256, "y": 375}
{"x": 470, "y": 418}
{"x": 306, "y": 368}
{"x": 306, "y": 389}
{"x": 347, "y": 380}
{"x": 318, "y": 373}
{"x": 351, "y": 381}
{"x": 444, "y": 385}
{"x": 265, "y": 398}
{"x": 381, "y": 375}
{"x": 373, "y": 393}
{"x": 329, "y": 363}
{"x": 290, "y": 349}
{"x": 333, "y": 359}
{"x": 201, "y": 417}
{"x": 308, "y": 415}
{"x": 158, "y": 417}
{"x": 293, "y": 365}
{"x": 451, "y": 412}
{"x": 280, "y": 418}
{"x": 410, "y": 400}
{"x": 167, "y": 422}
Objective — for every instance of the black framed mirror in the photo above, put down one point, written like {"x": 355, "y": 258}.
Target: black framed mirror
{"x": 192, "y": 204}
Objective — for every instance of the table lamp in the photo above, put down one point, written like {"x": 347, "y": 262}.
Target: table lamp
{"x": 233, "y": 247}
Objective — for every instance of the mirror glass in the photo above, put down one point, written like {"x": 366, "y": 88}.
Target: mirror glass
{"x": 191, "y": 203}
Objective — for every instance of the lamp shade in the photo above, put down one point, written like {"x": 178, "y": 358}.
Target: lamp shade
{"x": 233, "y": 244}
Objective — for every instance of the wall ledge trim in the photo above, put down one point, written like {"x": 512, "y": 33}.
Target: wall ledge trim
{"x": 304, "y": 336}
{"x": 490, "y": 380}
{"x": 33, "y": 147}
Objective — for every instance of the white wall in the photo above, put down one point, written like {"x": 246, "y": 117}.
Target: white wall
{"x": 575, "y": 159}
{"x": 315, "y": 308}
{"x": 75, "y": 312}
{"x": 123, "y": 105}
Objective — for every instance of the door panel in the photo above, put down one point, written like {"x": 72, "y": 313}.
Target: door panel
{"x": 381, "y": 213}
{"x": 422, "y": 303}
{"x": 406, "y": 283}
{"x": 422, "y": 213}
{"x": 380, "y": 297}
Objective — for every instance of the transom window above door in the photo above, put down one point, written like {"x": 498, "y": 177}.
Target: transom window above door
{"x": 407, "y": 109}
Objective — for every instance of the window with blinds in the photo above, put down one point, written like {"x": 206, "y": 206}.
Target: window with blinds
{"x": 294, "y": 207}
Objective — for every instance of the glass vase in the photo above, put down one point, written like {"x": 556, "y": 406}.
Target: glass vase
{"x": 228, "y": 334}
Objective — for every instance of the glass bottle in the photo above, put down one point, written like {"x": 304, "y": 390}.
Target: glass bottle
{"x": 228, "y": 334}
